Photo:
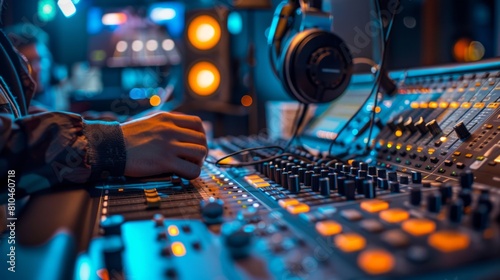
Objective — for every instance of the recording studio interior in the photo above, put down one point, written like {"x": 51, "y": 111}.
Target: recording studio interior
{"x": 345, "y": 139}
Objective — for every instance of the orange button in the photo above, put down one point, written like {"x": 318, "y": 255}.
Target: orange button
{"x": 350, "y": 242}
{"x": 298, "y": 208}
{"x": 419, "y": 227}
{"x": 374, "y": 205}
{"x": 395, "y": 215}
{"x": 328, "y": 228}
{"x": 288, "y": 201}
{"x": 449, "y": 240}
{"x": 261, "y": 185}
{"x": 376, "y": 261}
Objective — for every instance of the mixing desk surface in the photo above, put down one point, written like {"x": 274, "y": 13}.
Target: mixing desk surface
{"x": 423, "y": 200}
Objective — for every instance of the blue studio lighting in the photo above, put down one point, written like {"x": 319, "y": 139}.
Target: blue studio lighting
{"x": 234, "y": 23}
{"x": 170, "y": 14}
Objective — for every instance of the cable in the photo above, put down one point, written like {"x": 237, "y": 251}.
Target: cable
{"x": 376, "y": 84}
{"x": 382, "y": 63}
{"x": 303, "y": 111}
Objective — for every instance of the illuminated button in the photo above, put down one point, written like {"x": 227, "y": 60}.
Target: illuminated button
{"x": 173, "y": 230}
{"x": 328, "y": 228}
{"x": 374, "y": 205}
{"x": 395, "y": 215}
{"x": 457, "y": 154}
{"x": 468, "y": 155}
{"x": 178, "y": 249}
{"x": 289, "y": 201}
{"x": 449, "y": 241}
{"x": 480, "y": 158}
{"x": 497, "y": 160}
{"x": 350, "y": 242}
{"x": 419, "y": 227}
{"x": 376, "y": 261}
{"x": 298, "y": 208}
{"x": 261, "y": 185}
{"x": 488, "y": 126}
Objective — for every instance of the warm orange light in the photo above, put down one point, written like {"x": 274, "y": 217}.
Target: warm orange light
{"x": 178, "y": 249}
{"x": 398, "y": 133}
{"x": 350, "y": 242}
{"x": 449, "y": 241}
{"x": 155, "y": 100}
{"x": 376, "y": 261}
{"x": 204, "y": 32}
{"x": 204, "y": 78}
{"x": 246, "y": 100}
{"x": 173, "y": 230}
{"x": 419, "y": 226}
{"x": 374, "y": 205}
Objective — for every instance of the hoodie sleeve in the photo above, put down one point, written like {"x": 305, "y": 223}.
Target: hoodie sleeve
{"x": 53, "y": 148}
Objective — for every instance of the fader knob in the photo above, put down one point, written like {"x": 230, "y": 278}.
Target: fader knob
{"x": 392, "y": 176}
{"x": 308, "y": 178}
{"x": 462, "y": 131}
{"x": 404, "y": 180}
{"x": 446, "y": 193}
{"x": 416, "y": 177}
{"x": 410, "y": 125}
{"x": 372, "y": 170}
{"x": 455, "y": 211}
{"x": 324, "y": 186}
{"x": 315, "y": 182}
{"x": 293, "y": 183}
{"x": 480, "y": 217}
{"x": 484, "y": 199}
{"x": 350, "y": 190}
{"x": 466, "y": 196}
{"x": 420, "y": 125}
{"x": 466, "y": 179}
{"x": 369, "y": 189}
{"x": 434, "y": 128}
{"x": 434, "y": 202}
{"x": 212, "y": 210}
{"x": 415, "y": 196}
{"x": 394, "y": 186}
{"x": 284, "y": 179}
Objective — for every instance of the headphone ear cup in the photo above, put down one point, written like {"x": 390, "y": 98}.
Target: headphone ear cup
{"x": 316, "y": 66}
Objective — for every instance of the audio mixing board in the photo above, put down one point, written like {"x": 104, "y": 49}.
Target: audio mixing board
{"x": 422, "y": 202}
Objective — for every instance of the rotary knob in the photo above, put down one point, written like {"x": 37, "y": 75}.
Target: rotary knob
{"x": 434, "y": 128}
{"x": 462, "y": 131}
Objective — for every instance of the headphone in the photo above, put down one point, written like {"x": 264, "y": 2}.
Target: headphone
{"x": 315, "y": 65}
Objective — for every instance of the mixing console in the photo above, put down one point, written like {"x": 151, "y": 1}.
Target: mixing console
{"x": 423, "y": 201}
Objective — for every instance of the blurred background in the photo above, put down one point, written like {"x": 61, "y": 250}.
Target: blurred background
{"x": 210, "y": 58}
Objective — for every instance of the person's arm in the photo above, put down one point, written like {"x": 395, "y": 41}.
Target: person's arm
{"x": 51, "y": 148}
{"x": 48, "y": 149}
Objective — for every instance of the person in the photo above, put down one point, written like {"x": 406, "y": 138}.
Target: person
{"x": 32, "y": 42}
{"x": 56, "y": 148}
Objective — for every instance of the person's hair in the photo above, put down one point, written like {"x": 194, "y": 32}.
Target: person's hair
{"x": 26, "y": 34}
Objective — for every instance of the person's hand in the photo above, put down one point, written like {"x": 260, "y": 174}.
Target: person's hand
{"x": 164, "y": 143}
